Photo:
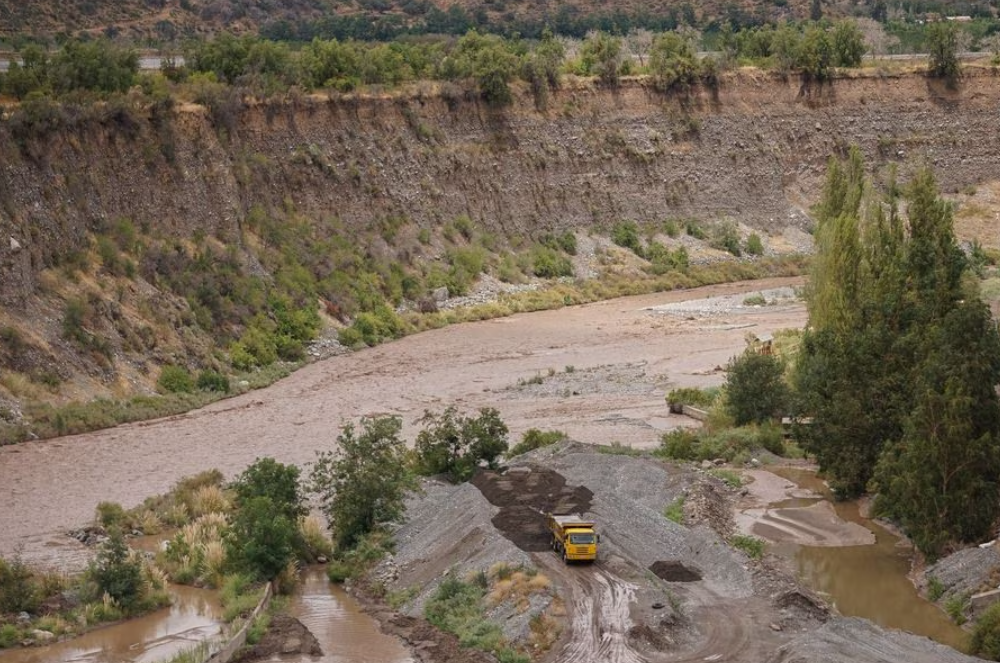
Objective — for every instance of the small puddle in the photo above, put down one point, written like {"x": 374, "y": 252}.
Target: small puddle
{"x": 346, "y": 634}
{"x": 194, "y": 616}
{"x": 869, "y": 581}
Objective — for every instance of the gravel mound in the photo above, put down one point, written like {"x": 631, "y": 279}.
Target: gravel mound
{"x": 967, "y": 571}
{"x": 630, "y": 494}
{"x": 447, "y": 528}
{"x": 854, "y": 640}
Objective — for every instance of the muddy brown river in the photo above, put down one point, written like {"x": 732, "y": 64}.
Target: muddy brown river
{"x": 611, "y": 364}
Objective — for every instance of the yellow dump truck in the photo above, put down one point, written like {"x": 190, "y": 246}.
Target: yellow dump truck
{"x": 573, "y": 538}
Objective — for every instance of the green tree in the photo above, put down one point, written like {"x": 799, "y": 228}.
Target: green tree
{"x": 848, "y": 44}
{"x": 899, "y": 365}
{"x": 29, "y": 75}
{"x": 755, "y": 388}
{"x": 487, "y": 59}
{"x": 116, "y": 572}
{"x": 785, "y": 45}
{"x": 942, "y": 48}
{"x": 601, "y": 56}
{"x": 262, "y": 539}
{"x": 673, "y": 62}
{"x": 99, "y": 66}
{"x": 815, "y": 54}
{"x": 362, "y": 485}
{"x": 455, "y": 445}
{"x": 266, "y": 477}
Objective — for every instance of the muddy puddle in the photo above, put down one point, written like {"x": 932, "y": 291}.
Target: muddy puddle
{"x": 194, "y": 616}
{"x": 346, "y": 634}
{"x": 867, "y": 581}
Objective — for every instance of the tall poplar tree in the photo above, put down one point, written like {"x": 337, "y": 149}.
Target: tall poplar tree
{"x": 900, "y": 362}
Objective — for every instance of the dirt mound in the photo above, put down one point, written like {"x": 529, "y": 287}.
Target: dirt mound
{"x": 285, "y": 635}
{"x": 525, "y": 494}
{"x": 675, "y": 571}
{"x": 428, "y": 643}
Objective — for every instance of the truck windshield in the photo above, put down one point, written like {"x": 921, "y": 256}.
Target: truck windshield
{"x": 581, "y": 539}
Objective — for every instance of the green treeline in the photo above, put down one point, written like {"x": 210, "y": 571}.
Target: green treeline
{"x": 899, "y": 365}
{"x": 481, "y": 60}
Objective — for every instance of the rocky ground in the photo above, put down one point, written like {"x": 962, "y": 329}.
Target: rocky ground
{"x": 660, "y": 591}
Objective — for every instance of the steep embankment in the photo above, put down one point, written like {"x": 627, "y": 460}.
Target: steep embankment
{"x": 753, "y": 150}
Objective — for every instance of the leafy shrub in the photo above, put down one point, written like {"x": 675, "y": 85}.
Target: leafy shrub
{"x": 9, "y": 636}
{"x": 372, "y": 328}
{"x": 117, "y": 573}
{"x": 239, "y": 596}
{"x": 754, "y": 245}
{"x": 547, "y": 263}
{"x": 985, "y": 641}
{"x": 751, "y": 545}
{"x": 626, "y": 235}
{"x": 534, "y": 438}
{"x": 726, "y": 238}
{"x": 935, "y": 589}
{"x": 175, "y": 380}
{"x": 18, "y": 590}
{"x": 111, "y": 514}
{"x": 691, "y": 396}
{"x": 955, "y": 607}
{"x": 694, "y": 229}
{"x": 210, "y": 380}
{"x": 565, "y": 242}
{"x": 679, "y": 444}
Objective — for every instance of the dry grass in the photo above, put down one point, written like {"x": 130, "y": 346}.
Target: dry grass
{"x": 209, "y": 499}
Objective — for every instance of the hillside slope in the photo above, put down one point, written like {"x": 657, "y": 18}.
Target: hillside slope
{"x": 230, "y": 189}
{"x": 167, "y": 20}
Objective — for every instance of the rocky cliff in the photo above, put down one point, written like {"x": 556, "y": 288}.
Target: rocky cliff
{"x": 753, "y": 151}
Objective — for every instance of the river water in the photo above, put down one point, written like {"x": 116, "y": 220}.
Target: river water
{"x": 869, "y": 581}
{"x": 194, "y": 616}
{"x": 346, "y": 634}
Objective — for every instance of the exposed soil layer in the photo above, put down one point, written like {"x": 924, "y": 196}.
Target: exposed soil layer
{"x": 524, "y": 496}
{"x": 674, "y": 571}
{"x": 286, "y": 635}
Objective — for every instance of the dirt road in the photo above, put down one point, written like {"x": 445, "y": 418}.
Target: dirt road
{"x": 599, "y": 372}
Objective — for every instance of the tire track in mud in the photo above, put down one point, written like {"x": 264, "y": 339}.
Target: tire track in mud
{"x": 599, "y": 604}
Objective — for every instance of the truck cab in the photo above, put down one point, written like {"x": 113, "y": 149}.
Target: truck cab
{"x": 573, "y": 538}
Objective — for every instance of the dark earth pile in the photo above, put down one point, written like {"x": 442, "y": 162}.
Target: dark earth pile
{"x": 525, "y": 495}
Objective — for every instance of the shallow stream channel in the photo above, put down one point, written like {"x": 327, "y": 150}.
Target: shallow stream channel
{"x": 194, "y": 616}
{"x": 869, "y": 580}
{"x": 346, "y": 634}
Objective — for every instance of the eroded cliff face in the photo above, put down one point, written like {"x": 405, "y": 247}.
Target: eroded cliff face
{"x": 753, "y": 150}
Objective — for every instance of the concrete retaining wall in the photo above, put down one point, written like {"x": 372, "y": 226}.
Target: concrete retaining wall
{"x": 239, "y": 639}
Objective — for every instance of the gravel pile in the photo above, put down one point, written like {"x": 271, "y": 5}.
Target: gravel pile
{"x": 854, "y": 640}
{"x": 447, "y": 527}
{"x": 610, "y": 379}
{"x": 965, "y": 572}
{"x": 728, "y": 304}
{"x": 630, "y": 495}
